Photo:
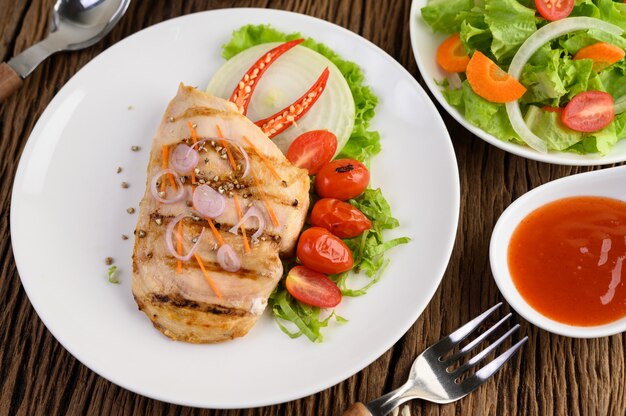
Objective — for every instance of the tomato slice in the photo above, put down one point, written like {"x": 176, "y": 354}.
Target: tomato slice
{"x": 312, "y": 288}
{"x": 589, "y": 111}
{"x": 312, "y": 150}
{"x": 340, "y": 218}
{"x": 321, "y": 251}
{"x": 342, "y": 179}
{"x": 554, "y": 9}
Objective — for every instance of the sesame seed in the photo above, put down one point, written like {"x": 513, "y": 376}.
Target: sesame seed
{"x": 125, "y": 185}
{"x": 108, "y": 261}
{"x": 119, "y": 169}
{"x": 124, "y": 237}
{"x": 131, "y": 210}
{"x": 171, "y": 119}
{"x": 189, "y": 203}
{"x": 135, "y": 148}
{"x": 141, "y": 234}
{"x": 158, "y": 221}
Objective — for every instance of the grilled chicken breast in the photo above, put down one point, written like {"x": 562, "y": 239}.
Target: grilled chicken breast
{"x": 183, "y": 304}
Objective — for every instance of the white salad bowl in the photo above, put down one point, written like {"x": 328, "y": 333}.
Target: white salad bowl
{"x": 425, "y": 43}
{"x": 604, "y": 183}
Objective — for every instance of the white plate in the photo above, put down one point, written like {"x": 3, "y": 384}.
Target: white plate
{"x": 68, "y": 212}
{"x": 425, "y": 44}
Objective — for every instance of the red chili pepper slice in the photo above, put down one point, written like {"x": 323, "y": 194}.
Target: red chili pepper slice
{"x": 245, "y": 88}
{"x": 278, "y": 122}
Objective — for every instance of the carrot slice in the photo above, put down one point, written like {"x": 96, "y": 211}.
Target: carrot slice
{"x": 246, "y": 246}
{"x": 451, "y": 55}
{"x": 207, "y": 276}
{"x": 603, "y": 54}
{"x": 264, "y": 159}
{"x": 179, "y": 246}
{"x": 491, "y": 82}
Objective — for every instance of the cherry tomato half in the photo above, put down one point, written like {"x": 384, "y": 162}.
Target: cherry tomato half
{"x": 323, "y": 252}
{"x": 589, "y": 111}
{"x": 312, "y": 288}
{"x": 312, "y": 150}
{"x": 340, "y": 218}
{"x": 554, "y": 9}
{"x": 342, "y": 179}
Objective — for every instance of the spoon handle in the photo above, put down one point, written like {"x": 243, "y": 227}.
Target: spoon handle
{"x": 10, "y": 81}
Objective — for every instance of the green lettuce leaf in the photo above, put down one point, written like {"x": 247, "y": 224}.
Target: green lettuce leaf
{"x": 510, "y": 24}
{"x": 549, "y": 127}
{"x": 441, "y": 15}
{"x": 363, "y": 144}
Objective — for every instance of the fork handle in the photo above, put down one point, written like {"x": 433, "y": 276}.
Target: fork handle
{"x": 10, "y": 81}
{"x": 357, "y": 409}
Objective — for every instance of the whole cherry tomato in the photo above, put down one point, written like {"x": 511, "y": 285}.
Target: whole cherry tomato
{"x": 312, "y": 288}
{"x": 342, "y": 179}
{"x": 340, "y": 218}
{"x": 554, "y": 9}
{"x": 321, "y": 251}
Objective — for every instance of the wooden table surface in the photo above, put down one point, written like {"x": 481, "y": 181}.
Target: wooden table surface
{"x": 552, "y": 375}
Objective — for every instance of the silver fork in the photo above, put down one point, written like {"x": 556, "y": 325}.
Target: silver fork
{"x": 431, "y": 378}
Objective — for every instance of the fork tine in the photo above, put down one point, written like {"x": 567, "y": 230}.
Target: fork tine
{"x": 484, "y": 353}
{"x": 469, "y": 347}
{"x": 447, "y": 343}
{"x": 482, "y": 375}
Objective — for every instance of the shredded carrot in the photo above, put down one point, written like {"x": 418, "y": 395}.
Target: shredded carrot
{"x": 207, "y": 276}
{"x": 179, "y": 246}
{"x": 164, "y": 165}
{"x": 216, "y": 233}
{"x": 194, "y": 139}
{"x": 246, "y": 246}
{"x": 265, "y": 201}
{"x": 264, "y": 159}
{"x": 230, "y": 156}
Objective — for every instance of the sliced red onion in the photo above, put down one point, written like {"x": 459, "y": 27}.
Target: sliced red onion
{"x": 154, "y": 189}
{"x": 241, "y": 150}
{"x": 227, "y": 258}
{"x": 208, "y": 202}
{"x": 184, "y": 158}
{"x": 244, "y": 153}
{"x": 170, "y": 245}
{"x": 252, "y": 212}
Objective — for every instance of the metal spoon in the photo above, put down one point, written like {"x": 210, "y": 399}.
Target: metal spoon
{"x": 75, "y": 24}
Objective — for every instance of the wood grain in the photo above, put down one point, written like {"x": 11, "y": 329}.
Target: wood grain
{"x": 552, "y": 376}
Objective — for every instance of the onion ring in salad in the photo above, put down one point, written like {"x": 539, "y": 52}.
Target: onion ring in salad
{"x": 526, "y": 51}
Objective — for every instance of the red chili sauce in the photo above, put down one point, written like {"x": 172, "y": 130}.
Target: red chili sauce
{"x": 566, "y": 259}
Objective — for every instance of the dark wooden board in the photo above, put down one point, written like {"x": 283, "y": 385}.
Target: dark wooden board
{"x": 553, "y": 374}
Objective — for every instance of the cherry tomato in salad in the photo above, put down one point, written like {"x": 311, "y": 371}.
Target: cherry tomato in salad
{"x": 589, "y": 111}
{"x": 342, "y": 179}
{"x": 312, "y": 150}
{"x": 340, "y": 218}
{"x": 312, "y": 288}
{"x": 554, "y": 9}
{"x": 321, "y": 251}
